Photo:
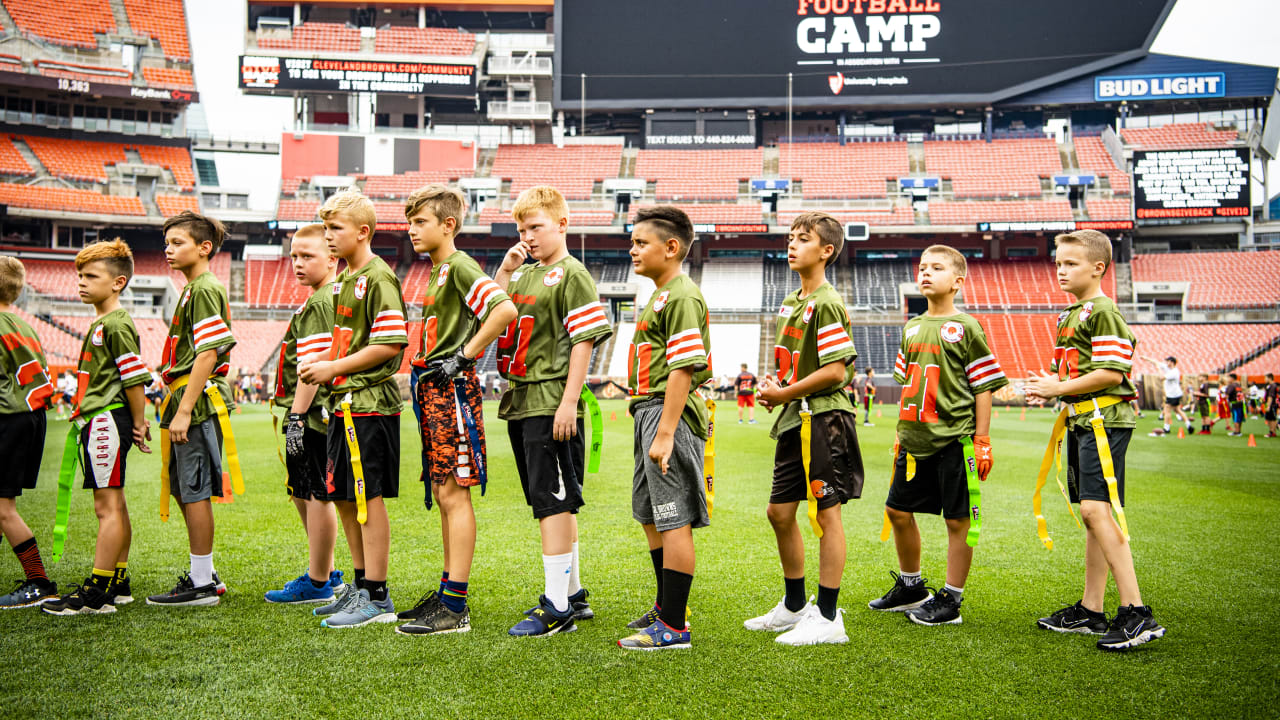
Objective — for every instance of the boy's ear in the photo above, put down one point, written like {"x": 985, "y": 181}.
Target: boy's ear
{"x": 118, "y": 284}
{"x": 206, "y": 248}
{"x": 563, "y": 225}
{"x": 673, "y": 247}
{"x": 959, "y": 283}
{"x": 366, "y": 232}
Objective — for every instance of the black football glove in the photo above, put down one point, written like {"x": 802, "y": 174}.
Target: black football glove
{"x": 442, "y": 371}
{"x": 294, "y": 426}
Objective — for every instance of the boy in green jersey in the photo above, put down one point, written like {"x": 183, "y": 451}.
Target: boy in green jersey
{"x": 1091, "y": 366}
{"x": 362, "y": 466}
{"x": 463, "y": 310}
{"x": 195, "y": 364}
{"x": 110, "y": 407}
{"x": 560, "y": 316}
{"x": 25, "y": 392}
{"x": 817, "y": 455}
{"x": 943, "y": 445}
{"x": 669, "y": 357}
{"x": 306, "y": 424}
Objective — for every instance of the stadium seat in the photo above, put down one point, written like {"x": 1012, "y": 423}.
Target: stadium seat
{"x": 1108, "y": 208}
{"x": 257, "y": 342}
{"x": 723, "y": 213}
{"x": 699, "y": 174}
{"x": 165, "y": 21}
{"x": 271, "y": 283}
{"x": 84, "y": 160}
{"x": 1018, "y": 283}
{"x": 171, "y": 205}
{"x": 876, "y": 284}
{"x": 423, "y": 41}
{"x": 413, "y": 287}
{"x": 68, "y": 200}
{"x": 1179, "y": 136}
{"x": 1268, "y": 362}
{"x": 898, "y": 214}
{"x": 573, "y": 169}
{"x": 877, "y": 346}
{"x": 975, "y": 211}
{"x": 306, "y": 210}
{"x": 1202, "y": 348}
{"x": 1021, "y": 342}
{"x": 317, "y": 36}
{"x": 1002, "y": 168}
{"x": 779, "y": 281}
{"x": 176, "y": 159}
{"x": 72, "y": 23}
{"x": 152, "y": 262}
{"x": 11, "y": 161}
{"x": 59, "y": 345}
{"x": 1094, "y": 158}
{"x": 55, "y": 278}
{"x": 175, "y": 78}
{"x": 1217, "y": 279}
{"x": 397, "y": 186}
{"x": 856, "y": 170}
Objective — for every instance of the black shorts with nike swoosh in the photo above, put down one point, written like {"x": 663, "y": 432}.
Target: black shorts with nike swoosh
{"x": 551, "y": 471}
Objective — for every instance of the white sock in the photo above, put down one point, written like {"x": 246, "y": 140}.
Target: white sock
{"x": 575, "y": 582}
{"x": 201, "y": 569}
{"x": 956, "y": 592}
{"x": 910, "y": 579}
{"x": 556, "y": 569}
{"x": 1166, "y": 428}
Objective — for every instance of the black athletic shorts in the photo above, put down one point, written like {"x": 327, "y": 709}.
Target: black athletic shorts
{"x": 104, "y": 443}
{"x": 835, "y": 462}
{"x": 1085, "y": 480}
{"x": 939, "y": 487}
{"x": 1269, "y": 415}
{"x": 306, "y": 473}
{"x": 551, "y": 472}
{"x": 21, "y": 446}
{"x": 379, "y": 438}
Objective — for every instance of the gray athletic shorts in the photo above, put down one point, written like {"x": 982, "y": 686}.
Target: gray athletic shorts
{"x": 678, "y": 498}
{"x": 195, "y": 467}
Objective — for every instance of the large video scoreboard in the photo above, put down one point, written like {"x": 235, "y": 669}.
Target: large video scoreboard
{"x": 1172, "y": 184}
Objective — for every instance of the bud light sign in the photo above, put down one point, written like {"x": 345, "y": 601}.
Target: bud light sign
{"x": 1158, "y": 87}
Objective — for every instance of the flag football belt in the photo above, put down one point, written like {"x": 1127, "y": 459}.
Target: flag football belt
{"x": 228, "y": 438}
{"x": 470, "y": 429}
{"x": 971, "y": 479}
{"x": 1053, "y": 457}
{"x": 597, "y": 429}
{"x": 709, "y": 457}
{"x": 806, "y": 438}
{"x": 67, "y": 477}
{"x": 357, "y": 465}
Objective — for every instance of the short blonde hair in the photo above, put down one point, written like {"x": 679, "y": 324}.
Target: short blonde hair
{"x": 954, "y": 258}
{"x": 443, "y": 201}
{"x": 115, "y": 253}
{"x": 312, "y": 230}
{"x": 1097, "y": 246}
{"x": 13, "y": 276}
{"x": 826, "y": 227}
{"x": 544, "y": 198}
{"x": 353, "y": 204}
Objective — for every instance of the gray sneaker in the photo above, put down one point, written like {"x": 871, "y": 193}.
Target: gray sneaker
{"x": 29, "y": 593}
{"x": 442, "y": 621}
{"x": 342, "y": 596}
{"x": 362, "y": 611}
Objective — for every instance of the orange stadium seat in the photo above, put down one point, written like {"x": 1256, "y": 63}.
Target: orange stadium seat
{"x": 1093, "y": 157}
{"x": 11, "y": 161}
{"x": 56, "y": 278}
{"x": 423, "y": 41}
{"x": 1108, "y": 209}
{"x": 176, "y": 159}
{"x": 324, "y": 37}
{"x": 76, "y": 159}
{"x": 1021, "y": 342}
{"x": 1202, "y": 348}
{"x": 573, "y": 169}
{"x": 63, "y": 22}
{"x": 151, "y": 336}
{"x": 171, "y": 205}
{"x": 1002, "y": 168}
{"x": 271, "y": 283}
{"x": 975, "y": 211}
{"x": 898, "y": 215}
{"x": 402, "y": 185}
{"x": 577, "y": 218}
{"x": 414, "y": 285}
{"x": 699, "y": 174}
{"x": 289, "y": 186}
{"x": 1019, "y": 283}
{"x": 750, "y": 213}
{"x": 257, "y": 342}
{"x": 152, "y": 262}
{"x": 1217, "y": 279}
{"x": 176, "y": 78}
{"x": 299, "y": 210}
{"x": 69, "y": 200}
{"x": 1267, "y": 362}
{"x": 110, "y": 76}
{"x": 165, "y": 21}
{"x": 1179, "y": 136}
{"x": 857, "y": 170}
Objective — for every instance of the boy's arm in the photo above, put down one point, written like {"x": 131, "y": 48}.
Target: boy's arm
{"x": 511, "y": 262}
{"x": 499, "y": 318}
{"x": 982, "y": 455}
{"x": 828, "y": 376}
{"x": 565, "y": 424}
{"x": 303, "y": 396}
{"x": 1046, "y": 385}
{"x": 324, "y": 371}
{"x": 200, "y": 372}
{"x": 136, "y": 397}
{"x": 679, "y": 381}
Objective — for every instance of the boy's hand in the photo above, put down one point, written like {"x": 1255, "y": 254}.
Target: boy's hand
{"x": 318, "y": 372}
{"x": 448, "y": 368}
{"x": 515, "y": 257}
{"x": 660, "y": 450}
{"x": 1042, "y": 386}
{"x": 179, "y": 426}
{"x": 565, "y": 424}
{"x": 982, "y": 454}
{"x": 768, "y": 392}
{"x": 141, "y": 434}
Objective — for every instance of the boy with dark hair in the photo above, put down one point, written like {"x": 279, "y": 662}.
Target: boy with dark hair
{"x": 193, "y": 419}
{"x": 1203, "y": 405}
{"x": 1091, "y": 366}
{"x": 110, "y": 412}
{"x": 362, "y": 466}
{"x": 25, "y": 392}
{"x": 746, "y": 385}
{"x": 1270, "y": 400}
{"x": 305, "y": 426}
{"x": 868, "y": 395}
{"x": 463, "y": 311}
{"x": 942, "y": 446}
{"x": 669, "y": 357}
{"x": 817, "y": 455}
{"x": 1235, "y": 405}
{"x": 560, "y": 317}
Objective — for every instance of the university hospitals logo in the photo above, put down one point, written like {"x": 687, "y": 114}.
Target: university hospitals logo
{"x": 362, "y": 286}
{"x": 785, "y": 311}
{"x": 553, "y": 277}
{"x": 97, "y": 336}
{"x": 1086, "y": 311}
{"x": 444, "y": 275}
{"x": 661, "y": 301}
{"x": 808, "y": 311}
{"x": 1062, "y": 316}
{"x": 836, "y": 82}
{"x": 952, "y": 332}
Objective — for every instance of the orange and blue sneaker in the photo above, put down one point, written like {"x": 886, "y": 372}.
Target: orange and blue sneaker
{"x": 658, "y": 636}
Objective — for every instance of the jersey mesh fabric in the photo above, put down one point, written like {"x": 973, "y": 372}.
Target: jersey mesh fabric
{"x": 109, "y": 363}
{"x": 201, "y": 322}
{"x": 813, "y": 331}
{"x": 24, "y": 384}
{"x": 310, "y": 333}
{"x": 368, "y": 310}
{"x": 672, "y": 333}
{"x": 1092, "y": 335}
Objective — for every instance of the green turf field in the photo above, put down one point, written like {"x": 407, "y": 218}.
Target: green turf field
{"x": 1198, "y": 513}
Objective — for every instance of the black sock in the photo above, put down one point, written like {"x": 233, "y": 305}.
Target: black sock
{"x": 794, "y": 599}
{"x": 377, "y": 589}
{"x": 656, "y": 554}
{"x": 675, "y": 598}
{"x": 317, "y": 584}
{"x": 359, "y": 578}
{"x": 827, "y": 598}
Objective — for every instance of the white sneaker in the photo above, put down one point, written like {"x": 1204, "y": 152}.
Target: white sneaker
{"x": 814, "y": 629}
{"x": 779, "y": 619}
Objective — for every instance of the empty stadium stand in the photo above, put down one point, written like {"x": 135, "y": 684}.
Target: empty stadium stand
{"x": 1020, "y": 342}
{"x": 423, "y": 41}
{"x": 152, "y": 262}
{"x": 1018, "y": 283}
{"x": 899, "y": 214}
{"x": 1202, "y": 348}
{"x": 72, "y": 23}
{"x": 320, "y": 37}
{"x": 415, "y": 281}
{"x": 573, "y": 169}
{"x": 876, "y": 284}
{"x": 171, "y": 205}
{"x": 59, "y": 345}
{"x": 1002, "y": 168}
{"x": 11, "y": 160}
{"x": 731, "y": 213}
{"x": 257, "y": 342}
{"x": 396, "y": 186}
{"x": 176, "y": 78}
{"x": 974, "y": 211}
{"x": 699, "y": 174}
{"x": 1179, "y": 136}
{"x": 611, "y": 271}
{"x": 1216, "y": 279}
{"x": 299, "y": 210}
{"x": 1108, "y": 208}
{"x": 271, "y": 283}
{"x": 877, "y": 347}
{"x": 856, "y": 170}
{"x": 1093, "y": 157}
{"x": 68, "y": 200}
{"x": 175, "y": 159}
{"x": 75, "y": 159}
{"x": 165, "y": 21}
{"x": 1268, "y": 362}
{"x": 780, "y": 281}
{"x": 732, "y": 284}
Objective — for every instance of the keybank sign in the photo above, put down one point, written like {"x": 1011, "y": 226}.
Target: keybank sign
{"x": 1154, "y": 87}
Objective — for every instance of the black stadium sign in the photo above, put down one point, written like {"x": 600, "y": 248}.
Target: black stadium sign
{"x": 680, "y": 54}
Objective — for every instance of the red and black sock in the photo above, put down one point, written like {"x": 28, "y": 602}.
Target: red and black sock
{"x": 29, "y": 555}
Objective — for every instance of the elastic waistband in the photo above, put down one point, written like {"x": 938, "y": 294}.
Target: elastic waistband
{"x": 650, "y": 401}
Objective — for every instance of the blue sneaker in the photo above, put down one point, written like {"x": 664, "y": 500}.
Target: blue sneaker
{"x": 544, "y": 620}
{"x": 300, "y": 590}
{"x": 335, "y": 579}
{"x": 362, "y": 611}
{"x": 658, "y": 636}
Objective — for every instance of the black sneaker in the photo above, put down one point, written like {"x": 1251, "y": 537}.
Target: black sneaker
{"x": 901, "y": 596}
{"x": 650, "y": 617}
{"x": 1131, "y": 627}
{"x": 29, "y": 593}
{"x": 426, "y": 604}
{"x": 578, "y": 601}
{"x": 440, "y": 621}
{"x": 544, "y": 620}
{"x": 83, "y": 600}
{"x": 1075, "y": 619}
{"x": 187, "y": 594}
{"x": 941, "y": 609}
{"x": 121, "y": 593}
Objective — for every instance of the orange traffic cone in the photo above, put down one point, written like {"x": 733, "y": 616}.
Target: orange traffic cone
{"x": 1023, "y": 414}
{"x": 613, "y": 415}
{"x": 1252, "y": 442}
{"x": 877, "y": 413}
{"x": 1181, "y": 434}
{"x": 996, "y": 414}
{"x": 227, "y": 498}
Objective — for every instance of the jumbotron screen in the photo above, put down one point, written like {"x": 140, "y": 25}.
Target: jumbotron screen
{"x": 1172, "y": 184}
{"x": 680, "y": 54}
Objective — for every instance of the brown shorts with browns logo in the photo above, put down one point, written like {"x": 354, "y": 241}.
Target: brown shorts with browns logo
{"x": 446, "y": 447}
